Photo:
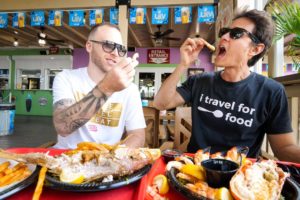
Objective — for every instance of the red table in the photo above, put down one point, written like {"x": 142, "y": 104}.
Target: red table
{"x": 133, "y": 191}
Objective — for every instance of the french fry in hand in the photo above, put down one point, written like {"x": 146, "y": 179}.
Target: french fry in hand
{"x": 211, "y": 47}
{"x": 39, "y": 186}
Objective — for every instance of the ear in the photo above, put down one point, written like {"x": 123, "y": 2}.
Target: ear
{"x": 88, "y": 46}
{"x": 256, "y": 49}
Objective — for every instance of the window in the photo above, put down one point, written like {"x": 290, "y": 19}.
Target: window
{"x": 29, "y": 79}
{"x": 146, "y": 85}
{"x": 51, "y": 75}
{"x": 4, "y": 78}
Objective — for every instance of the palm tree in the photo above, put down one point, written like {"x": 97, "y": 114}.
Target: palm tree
{"x": 287, "y": 20}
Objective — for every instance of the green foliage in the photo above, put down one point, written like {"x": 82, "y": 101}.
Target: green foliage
{"x": 287, "y": 19}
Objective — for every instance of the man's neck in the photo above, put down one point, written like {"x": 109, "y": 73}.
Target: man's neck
{"x": 232, "y": 74}
{"x": 95, "y": 73}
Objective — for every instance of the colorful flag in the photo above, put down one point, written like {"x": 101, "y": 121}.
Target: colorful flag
{"x": 76, "y": 18}
{"x": 183, "y": 14}
{"x": 3, "y": 20}
{"x": 114, "y": 15}
{"x": 37, "y": 18}
{"x": 160, "y": 15}
{"x": 19, "y": 19}
{"x": 137, "y": 15}
{"x": 55, "y": 17}
{"x": 206, "y": 13}
{"x": 96, "y": 17}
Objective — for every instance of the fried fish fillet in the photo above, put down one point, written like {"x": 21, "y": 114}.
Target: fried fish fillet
{"x": 92, "y": 164}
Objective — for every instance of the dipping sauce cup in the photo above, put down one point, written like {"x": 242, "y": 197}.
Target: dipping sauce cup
{"x": 219, "y": 172}
{"x": 170, "y": 154}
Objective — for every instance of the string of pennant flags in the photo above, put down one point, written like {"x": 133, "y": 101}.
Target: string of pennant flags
{"x": 137, "y": 15}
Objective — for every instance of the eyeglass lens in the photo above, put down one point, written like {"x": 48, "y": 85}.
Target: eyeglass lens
{"x": 237, "y": 33}
{"x": 233, "y": 33}
{"x": 110, "y": 47}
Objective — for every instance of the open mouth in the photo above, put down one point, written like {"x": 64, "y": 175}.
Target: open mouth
{"x": 222, "y": 51}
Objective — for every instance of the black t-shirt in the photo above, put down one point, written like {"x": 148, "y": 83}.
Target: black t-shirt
{"x": 227, "y": 114}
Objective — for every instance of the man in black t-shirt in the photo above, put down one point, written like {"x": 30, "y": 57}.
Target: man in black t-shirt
{"x": 233, "y": 107}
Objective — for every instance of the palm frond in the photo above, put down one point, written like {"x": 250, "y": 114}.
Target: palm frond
{"x": 287, "y": 21}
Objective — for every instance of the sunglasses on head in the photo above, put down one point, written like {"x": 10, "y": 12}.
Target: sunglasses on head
{"x": 236, "y": 33}
{"x": 109, "y": 47}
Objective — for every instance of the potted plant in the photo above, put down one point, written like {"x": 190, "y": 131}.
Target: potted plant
{"x": 287, "y": 20}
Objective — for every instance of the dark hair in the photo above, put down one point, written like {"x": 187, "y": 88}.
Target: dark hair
{"x": 264, "y": 29}
{"x": 95, "y": 28}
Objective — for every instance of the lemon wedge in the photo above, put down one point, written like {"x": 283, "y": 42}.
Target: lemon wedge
{"x": 155, "y": 153}
{"x": 194, "y": 170}
{"x": 74, "y": 178}
{"x": 161, "y": 182}
{"x": 223, "y": 194}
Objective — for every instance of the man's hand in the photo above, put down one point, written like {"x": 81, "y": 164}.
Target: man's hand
{"x": 120, "y": 76}
{"x": 190, "y": 50}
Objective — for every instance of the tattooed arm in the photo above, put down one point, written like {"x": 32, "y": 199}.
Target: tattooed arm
{"x": 69, "y": 116}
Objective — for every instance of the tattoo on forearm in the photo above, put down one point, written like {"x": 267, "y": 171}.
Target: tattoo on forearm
{"x": 69, "y": 116}
{"x": 77, "y": 124}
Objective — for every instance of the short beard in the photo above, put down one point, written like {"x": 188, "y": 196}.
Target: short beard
{"x": 97, "y": 61}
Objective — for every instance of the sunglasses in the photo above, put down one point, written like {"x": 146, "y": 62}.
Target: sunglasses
{"x": 109, "y": 47}
{"x": 236, "y": 33}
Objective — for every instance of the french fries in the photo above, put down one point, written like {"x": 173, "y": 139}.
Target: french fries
{"x": 211, "y": 47}
{"x": 4, "y": 166}
{"x": 39, "y": 186}
{"x": 9, "y": 175}
{"x": 92, "y": 146}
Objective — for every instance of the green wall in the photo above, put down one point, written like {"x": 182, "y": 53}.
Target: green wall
{"x": 21, "y": 95}
{"x": 36, "y": 107}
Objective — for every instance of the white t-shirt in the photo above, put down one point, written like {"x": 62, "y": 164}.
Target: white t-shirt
{"x": 122, "y": 111}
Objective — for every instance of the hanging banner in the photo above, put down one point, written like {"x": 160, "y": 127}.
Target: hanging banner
{"x": 158, "y": 56}
{"x": 19, "y": 19}
{"x": 55, "y": 17}
{"x": 114, "y": 15}
{"x": 96, "y": 17}
{"x": 160, "y": 15}
{"x": 76, "y": 18}
{"x": 37, "y": 18}
{"x": 3, "y": 20}
{"x": 137, "y": 16}
{"x": 183, "y": 15}
{"x": 206, "y": 14}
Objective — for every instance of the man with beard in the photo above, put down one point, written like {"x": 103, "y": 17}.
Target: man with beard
{"x": 233, "y": 107}
{"x": 99, "y": 103}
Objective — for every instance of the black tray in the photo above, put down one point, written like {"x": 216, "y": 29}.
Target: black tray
{"x": 54, "y": 183}
{"x": 293, "y": 170}
{"x": 290, "y": 191}
{"x": 21, "y": 185}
